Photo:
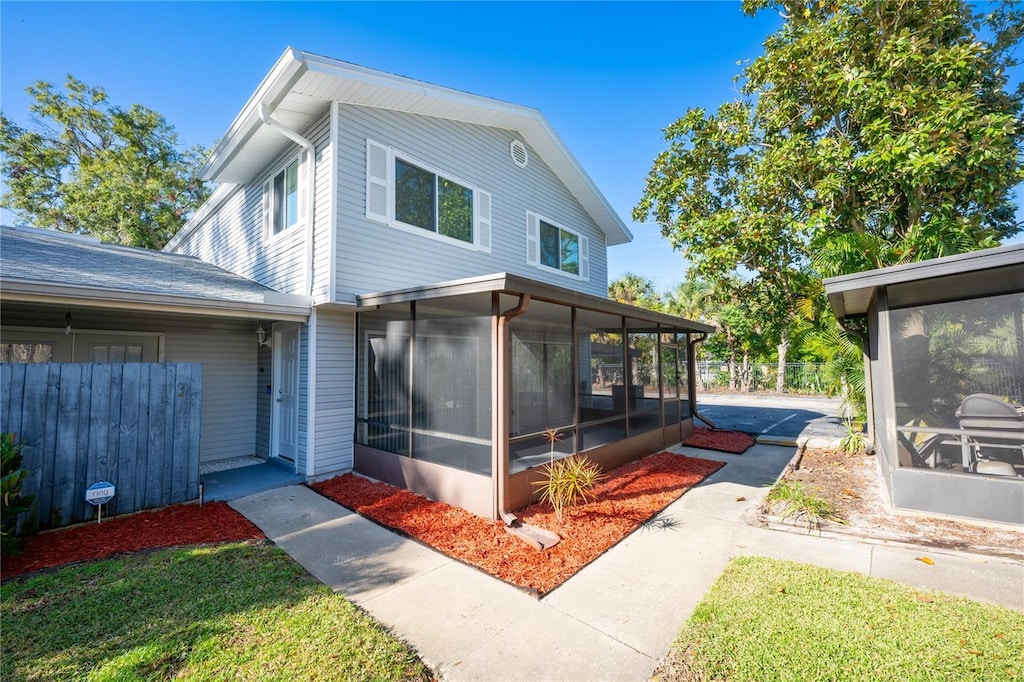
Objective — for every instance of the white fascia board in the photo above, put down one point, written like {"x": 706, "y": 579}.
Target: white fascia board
{"x": 361, "y": 74}
{"x": 553, "y": 150}
{"x": 289, "y": 307}
{"x": 284, "y": 74}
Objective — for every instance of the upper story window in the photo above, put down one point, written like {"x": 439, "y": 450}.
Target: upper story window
{"x": 281, "y": 206}
{"x": 553, "y": 246}
{"x": 407, "y": 193}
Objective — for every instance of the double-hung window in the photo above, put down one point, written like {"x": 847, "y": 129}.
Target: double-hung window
{"x": 406, "y": 193}
{"x": 281, "y": 207}
{"x": 549, "y": 245}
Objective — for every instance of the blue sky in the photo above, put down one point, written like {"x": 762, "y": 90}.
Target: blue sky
{"x": 609, "y": 76}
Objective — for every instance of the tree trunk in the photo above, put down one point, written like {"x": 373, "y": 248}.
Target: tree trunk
{"x": 780, "y": 371}
{"x": 731, "y": 340}
{"x": 746, "y": 374}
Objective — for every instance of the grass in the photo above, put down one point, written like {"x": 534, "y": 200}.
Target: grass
{"x": 790, "y": 500}
{"x": 238, "y": 610}
{"x": 766, "y": 619}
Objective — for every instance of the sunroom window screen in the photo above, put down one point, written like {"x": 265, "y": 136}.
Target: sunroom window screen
{"x": 959, "y": 366}
{"x": 541, "y": 394}
{"x": 440, "y": 411}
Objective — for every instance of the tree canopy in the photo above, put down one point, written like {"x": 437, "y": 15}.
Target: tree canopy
{"x": 868, "y": 134}
{"x": 91, "y": 167}
{"x": 636, "y": 290}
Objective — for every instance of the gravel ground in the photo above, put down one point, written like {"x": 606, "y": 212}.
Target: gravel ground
{"x": 853, "y": 483}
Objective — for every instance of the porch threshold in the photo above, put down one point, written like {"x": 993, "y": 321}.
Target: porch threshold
{"x": 256, "y": 478}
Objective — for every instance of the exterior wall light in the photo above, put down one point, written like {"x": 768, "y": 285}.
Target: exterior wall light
{"x": 261, "y": 336}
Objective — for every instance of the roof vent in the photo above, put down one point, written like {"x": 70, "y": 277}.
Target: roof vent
{"x": 519, "y": 155}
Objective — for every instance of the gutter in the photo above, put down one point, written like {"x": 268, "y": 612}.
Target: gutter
{"x": 692, "y": 361}
{"x": 268, "y": 119}
{"x": 501, "y": 434}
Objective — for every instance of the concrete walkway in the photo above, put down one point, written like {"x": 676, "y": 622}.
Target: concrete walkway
{"x": 615, "y": 619}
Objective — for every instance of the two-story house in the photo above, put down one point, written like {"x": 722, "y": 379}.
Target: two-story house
{"x": 452, "y": 257}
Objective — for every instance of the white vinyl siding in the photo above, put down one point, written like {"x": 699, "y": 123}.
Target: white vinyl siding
{"x": 371, "y": 256}
{"x": 233, "y": 236}
{"x": 335, "y": 392}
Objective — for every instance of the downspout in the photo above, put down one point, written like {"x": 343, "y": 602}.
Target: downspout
{"x": 310, "y": 182}
{"x": 691, "y": 357}
{"x": 501, "y": 417}
{"x": 266, "y": 117}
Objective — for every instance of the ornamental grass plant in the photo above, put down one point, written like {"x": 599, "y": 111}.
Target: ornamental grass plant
{"x": 567, "y": 481}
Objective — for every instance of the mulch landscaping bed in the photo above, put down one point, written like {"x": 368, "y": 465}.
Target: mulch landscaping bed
{"x": 626, "y": 498}
{"x": 181, "y": 524}
{"x": 735, "y": 442}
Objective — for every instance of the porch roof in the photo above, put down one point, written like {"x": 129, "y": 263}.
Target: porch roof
{"x": 504, "y": 282}
{"x": 965, "y": 275}
{"x": 50, "y": 267}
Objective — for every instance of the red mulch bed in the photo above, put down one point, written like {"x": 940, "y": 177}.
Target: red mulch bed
{"x": 181, "y": 524}
{"x": 735, "y": 442}
{"x": 628, "y": 496}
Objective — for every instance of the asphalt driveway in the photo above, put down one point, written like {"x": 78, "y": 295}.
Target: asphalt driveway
{"x": 778, "y": 416}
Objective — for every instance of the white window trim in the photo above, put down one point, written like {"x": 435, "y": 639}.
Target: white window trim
{"x": 533, "y": 221}
{"x": 268, "y": 201}
{"x": 482, "y": 224}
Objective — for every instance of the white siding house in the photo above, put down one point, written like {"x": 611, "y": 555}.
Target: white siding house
{"x": 416, "y": 218}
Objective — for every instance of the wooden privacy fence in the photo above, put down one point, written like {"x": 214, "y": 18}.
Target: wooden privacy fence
{"x": 135, "y": 425}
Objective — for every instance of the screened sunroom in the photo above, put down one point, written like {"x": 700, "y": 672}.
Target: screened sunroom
{"x": 945, "y": 351}
{"x": 458, "y": 382}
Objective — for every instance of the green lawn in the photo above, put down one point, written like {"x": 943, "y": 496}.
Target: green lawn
{"x": 239, "y": 611}
{"x": 776, "y": 620}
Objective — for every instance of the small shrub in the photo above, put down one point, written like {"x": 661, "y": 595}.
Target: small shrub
{"x": 568, "y": 482}
{"x": 790, "y": 500}
{"x": 12, "y": 502}
{"x": 854, "y": 442}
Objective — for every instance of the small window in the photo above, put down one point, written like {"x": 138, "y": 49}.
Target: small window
{"x": 115, "y": 352}
{"x": 405, "y": 193}
{"x": 28, "y": 352}
{"x": 559, "y": 249}
{"x": 556, "y": 247}
{"x": 281, "y": 199}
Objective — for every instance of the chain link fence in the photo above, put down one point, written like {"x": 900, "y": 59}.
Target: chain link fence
{"x": 805, "y": 378}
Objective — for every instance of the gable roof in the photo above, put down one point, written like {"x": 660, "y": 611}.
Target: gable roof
{"x": 49, "y": 266}
{"x": 300, "y": 83}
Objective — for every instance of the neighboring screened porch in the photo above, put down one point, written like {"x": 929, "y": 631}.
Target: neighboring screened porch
{"x": 945, "y": 350}
{"x": 451, "y": 400}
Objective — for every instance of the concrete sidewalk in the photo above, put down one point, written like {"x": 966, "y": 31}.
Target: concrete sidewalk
{"x": 615, "y": 619}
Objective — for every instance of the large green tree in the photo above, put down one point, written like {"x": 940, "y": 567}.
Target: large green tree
{"x": 91, "y": 167}
{"x": 869, "y": 133}
{"x": 635, "y": 290}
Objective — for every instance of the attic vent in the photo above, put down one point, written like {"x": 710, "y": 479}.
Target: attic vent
{"x": 518, "y": 151}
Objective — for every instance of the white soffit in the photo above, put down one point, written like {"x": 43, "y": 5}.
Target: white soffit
{"x": 302, "y": 84}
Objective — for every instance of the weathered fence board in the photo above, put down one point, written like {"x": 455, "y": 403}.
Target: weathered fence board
{"x": 135, "y": 425}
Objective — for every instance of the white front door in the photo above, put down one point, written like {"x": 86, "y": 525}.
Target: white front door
{"x": 285, "y": 427}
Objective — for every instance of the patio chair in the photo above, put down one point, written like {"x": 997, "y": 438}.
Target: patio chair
{"x": 995, "y": 454}
{"x": 921, "y": 448}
